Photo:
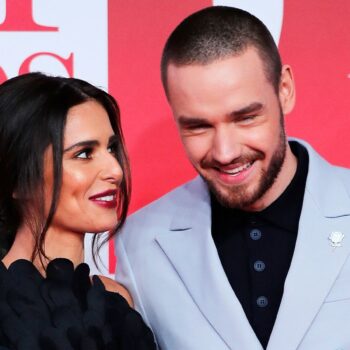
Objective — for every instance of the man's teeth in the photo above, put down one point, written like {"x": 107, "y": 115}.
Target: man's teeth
{"x": 106, "y": 198}
{"x": 236, "y": 171}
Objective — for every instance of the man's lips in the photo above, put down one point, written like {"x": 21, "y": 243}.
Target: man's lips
{"x": 234, "y": 174}
{"x": 106, "y": 199}
{"x": 234, "y": 171}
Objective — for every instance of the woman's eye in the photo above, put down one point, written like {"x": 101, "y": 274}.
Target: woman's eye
{"x": 84, "y": 154}
{"x": 113, "y": 149}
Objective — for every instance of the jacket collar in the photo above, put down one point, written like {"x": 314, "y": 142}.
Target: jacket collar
{"x": 190, "y": 248}
{"x": 315, "y": 264}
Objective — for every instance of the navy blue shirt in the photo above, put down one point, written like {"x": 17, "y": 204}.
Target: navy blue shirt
{"x": 256, "y": 248}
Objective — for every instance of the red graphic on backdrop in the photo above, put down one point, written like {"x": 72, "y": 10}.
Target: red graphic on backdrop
{"x": 25, "y": 66}
{"x": 19, "y": 17}
{"x": 66, "y": 62}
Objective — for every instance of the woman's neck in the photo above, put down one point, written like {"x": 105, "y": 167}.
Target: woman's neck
{"x": 58, "y": 244}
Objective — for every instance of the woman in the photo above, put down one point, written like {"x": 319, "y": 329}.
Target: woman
{"x": 64, "y": 172}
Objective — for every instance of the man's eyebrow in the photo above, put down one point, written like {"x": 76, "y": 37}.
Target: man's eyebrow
{"x": 187, "y": 121}
{"x": 87, "y": 143}
{"x": 253, "y": 107}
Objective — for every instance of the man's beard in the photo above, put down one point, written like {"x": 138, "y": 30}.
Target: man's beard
{"x": 239, "y": 197}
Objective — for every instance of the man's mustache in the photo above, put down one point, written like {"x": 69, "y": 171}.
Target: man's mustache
{"x": 243, "y": 159}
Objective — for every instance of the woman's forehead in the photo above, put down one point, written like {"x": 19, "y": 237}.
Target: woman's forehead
{"x": 87, "y": 121}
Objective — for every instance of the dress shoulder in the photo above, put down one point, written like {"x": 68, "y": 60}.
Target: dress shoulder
{"x": 112, "y": 286}
{"x": 65, "y": 310}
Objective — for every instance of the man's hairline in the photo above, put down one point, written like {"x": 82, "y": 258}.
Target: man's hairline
{"x": 240, "y": 52}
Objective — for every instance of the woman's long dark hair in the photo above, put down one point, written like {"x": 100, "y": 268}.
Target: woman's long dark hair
{"x": 33, "y": 113}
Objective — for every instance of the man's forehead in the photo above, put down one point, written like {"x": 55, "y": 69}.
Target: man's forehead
{"x": 250, "y": 55}
{"x": 239, "y": 68}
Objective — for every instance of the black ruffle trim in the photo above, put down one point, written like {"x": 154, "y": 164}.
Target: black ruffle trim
{"x": 65, "y": 311}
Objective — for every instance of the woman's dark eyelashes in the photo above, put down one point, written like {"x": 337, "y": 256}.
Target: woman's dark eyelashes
{"x": 86, "y": 149}
{"x": 113, "y": 148}
{"x": 84, "y": 153}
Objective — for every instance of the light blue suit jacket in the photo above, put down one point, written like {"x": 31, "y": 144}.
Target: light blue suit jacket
{"x": 168, "y": 261}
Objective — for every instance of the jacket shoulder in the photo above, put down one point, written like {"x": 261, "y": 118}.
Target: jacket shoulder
{"x": 344, "y": 175}
{"x": 158, "y": 215}
{"x": 170, "y": 202}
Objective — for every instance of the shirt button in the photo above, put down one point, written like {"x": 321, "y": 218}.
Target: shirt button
{"x": 262, "y": 301}
{"x": 259, "y": 266}
{"x": 255, "y": 234}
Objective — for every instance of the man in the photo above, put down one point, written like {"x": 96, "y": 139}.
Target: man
{"x": 252, "y": 254}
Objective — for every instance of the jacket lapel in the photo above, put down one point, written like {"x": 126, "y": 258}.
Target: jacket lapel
{"x": 316, "y": 264}
{"x": 192, "y": 252}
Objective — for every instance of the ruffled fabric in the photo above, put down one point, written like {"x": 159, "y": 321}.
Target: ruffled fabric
{"x": 65, "y": 311}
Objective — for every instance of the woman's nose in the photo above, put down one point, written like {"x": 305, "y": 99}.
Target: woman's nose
{"x": 112, "y": 170}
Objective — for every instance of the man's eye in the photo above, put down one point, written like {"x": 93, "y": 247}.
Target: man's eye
{"x": 248, "y": 118}
{"x": 84, "y": 154}
{"x": 195, "y": 127}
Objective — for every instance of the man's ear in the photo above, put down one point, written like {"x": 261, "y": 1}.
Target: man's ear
{"x": 286, "y": 90}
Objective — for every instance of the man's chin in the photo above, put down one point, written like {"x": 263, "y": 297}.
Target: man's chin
{"x": 235, "y": 197}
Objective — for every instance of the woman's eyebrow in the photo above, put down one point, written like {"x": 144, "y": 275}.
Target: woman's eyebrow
{"x": 87, "y": 143}
{"x": 114, "y": 138}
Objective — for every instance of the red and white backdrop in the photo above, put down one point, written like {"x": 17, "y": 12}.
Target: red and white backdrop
{"x": 117, "y": 45}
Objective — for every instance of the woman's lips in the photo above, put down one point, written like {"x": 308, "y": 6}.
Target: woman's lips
{"x": 106, "y": 199}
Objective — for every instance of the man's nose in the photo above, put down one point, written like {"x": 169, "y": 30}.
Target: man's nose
{"x": 226, "y": 145}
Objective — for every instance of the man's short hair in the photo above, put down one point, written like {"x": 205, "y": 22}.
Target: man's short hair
{"x": 219, "y": 32}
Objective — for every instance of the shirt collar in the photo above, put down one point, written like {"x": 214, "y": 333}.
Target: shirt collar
{"x": 285, "y": 211}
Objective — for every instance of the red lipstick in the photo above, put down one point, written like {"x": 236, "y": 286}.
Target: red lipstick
{"x": 106, "y": 199}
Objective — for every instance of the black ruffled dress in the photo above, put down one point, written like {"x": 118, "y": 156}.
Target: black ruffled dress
{"x": 65, "y": 311}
